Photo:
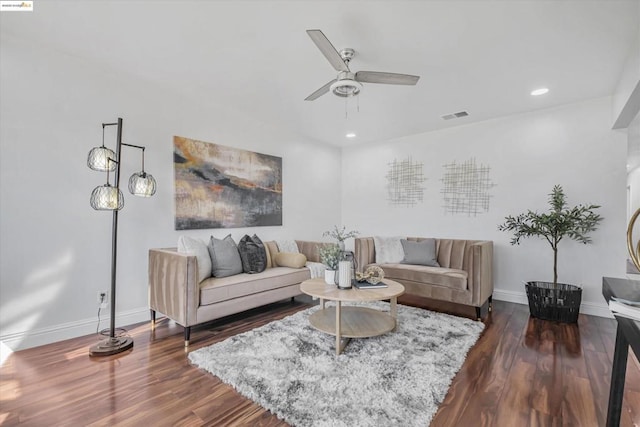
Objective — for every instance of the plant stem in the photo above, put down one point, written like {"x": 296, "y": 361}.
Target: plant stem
{"x": 555, "y": 265}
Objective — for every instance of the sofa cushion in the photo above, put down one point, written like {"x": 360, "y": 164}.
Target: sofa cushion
{"x": 198, "y": 248}
{"x": 290, "y": 259}
{"x": 440, "y": 276}
{"x": 420, "y": 253}
{"x": 252, "y": 254}
{"x": 271, "y": 247}
{"x": 215, "y": 290}
{"x": 287, "y": 246}
{"x": 388, "y": 249}
{"x": 225, "y": 258}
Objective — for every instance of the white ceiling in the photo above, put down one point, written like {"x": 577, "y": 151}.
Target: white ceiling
{"x": 255, "y": 57}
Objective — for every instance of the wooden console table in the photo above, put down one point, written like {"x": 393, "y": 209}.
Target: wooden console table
{"x": 628, "y": 334}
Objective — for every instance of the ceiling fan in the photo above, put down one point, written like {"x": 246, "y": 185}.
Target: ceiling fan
{"x": 347, "y": 83}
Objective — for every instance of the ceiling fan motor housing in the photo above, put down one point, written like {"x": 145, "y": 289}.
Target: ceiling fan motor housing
{"x": 347, "y": 54}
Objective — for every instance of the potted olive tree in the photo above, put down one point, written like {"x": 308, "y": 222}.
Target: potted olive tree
{"x": 554, "y": 301}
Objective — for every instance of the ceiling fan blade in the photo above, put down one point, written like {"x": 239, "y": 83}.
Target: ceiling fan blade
{"x": 386, "y": 78}
{"x": 328, "y": 50}
{"x": 317, "y": 94}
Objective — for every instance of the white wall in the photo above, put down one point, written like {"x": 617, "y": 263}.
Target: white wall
{"x": 633, "y": 164}
{"x": 626, "y": 101}
{"x": 54, "y": 249}
{"x": 528, "y": 153}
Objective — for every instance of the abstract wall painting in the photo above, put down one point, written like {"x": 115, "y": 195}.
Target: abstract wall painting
{"x": 404, "y": 182}
{"x": 465, "y": 188}
{"x": 225, "y": 187}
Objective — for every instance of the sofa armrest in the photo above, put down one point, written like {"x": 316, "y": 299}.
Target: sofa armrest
{"x": 365, "y": 252}
{"x": 310, "y": 249}
{"x": 173, "y": 285}
{"x": 481, "y": 274}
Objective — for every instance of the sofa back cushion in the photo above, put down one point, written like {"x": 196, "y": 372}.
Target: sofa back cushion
{"x": 225, "y": 258}
{"x": 252, "y": 254}
{"x": 271, "y": 248}
{"x": 198, "y": 248}
{"x": 420, "y": 253}
{"x": 388, "y": 250}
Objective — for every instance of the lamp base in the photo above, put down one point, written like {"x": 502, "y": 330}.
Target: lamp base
{"x": 111, "y": 346}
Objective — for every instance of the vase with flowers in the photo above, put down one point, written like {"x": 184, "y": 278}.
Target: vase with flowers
{"x": 330, "y": 256}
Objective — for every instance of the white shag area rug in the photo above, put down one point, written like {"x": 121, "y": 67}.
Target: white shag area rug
{"x": 396, "y": 379}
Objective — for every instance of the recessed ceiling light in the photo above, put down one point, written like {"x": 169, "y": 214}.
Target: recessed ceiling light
{"x": 539, "y": 92}
{"x": 350, "y": 135}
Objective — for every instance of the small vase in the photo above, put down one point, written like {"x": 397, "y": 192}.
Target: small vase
{"x": 341, "y": 245}
{"x": 344, "y": 275}
{"x": 330, "y": 277}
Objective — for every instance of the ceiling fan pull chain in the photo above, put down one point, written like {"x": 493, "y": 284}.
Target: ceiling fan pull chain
{"x": 346, "y": 113}
{"x": 358, "y": 103}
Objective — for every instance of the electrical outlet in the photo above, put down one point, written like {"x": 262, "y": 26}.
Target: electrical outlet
{"x": 103, "y": 299}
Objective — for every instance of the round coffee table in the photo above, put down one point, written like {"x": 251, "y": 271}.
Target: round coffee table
{"x": 352, "y": 322}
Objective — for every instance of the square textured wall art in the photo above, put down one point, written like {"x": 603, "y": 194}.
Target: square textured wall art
{"x": 465, "y": 188}
{"x": 225, "y": 187}
{"x": 404, "y": 182}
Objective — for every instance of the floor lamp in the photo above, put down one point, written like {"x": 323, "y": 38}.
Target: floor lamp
{"x": 108, "y": 197}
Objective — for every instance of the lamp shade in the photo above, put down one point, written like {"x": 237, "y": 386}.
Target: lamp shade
{"x": 98, "y": 159}
{"x": 106, "y": 198}
{"x": 142, "y": 184}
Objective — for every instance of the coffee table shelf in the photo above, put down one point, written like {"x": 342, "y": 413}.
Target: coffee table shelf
{"x": 355, "y": 322}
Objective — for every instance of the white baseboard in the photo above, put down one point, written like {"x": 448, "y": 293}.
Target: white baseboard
{"x": 600, "y": 310}
{"x": 593, "y": 309}
{"x": 510, "y": 296}
{"x": 27, "y": 339}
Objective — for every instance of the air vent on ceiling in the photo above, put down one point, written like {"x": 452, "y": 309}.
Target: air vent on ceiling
{"x": 455, "y": 115}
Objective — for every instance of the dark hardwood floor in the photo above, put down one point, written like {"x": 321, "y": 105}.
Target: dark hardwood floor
{"x": 522, "y": 372}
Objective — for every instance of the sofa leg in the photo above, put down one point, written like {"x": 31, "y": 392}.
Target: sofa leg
{"x": 478, "y": 309}
{"x": 490, "y": 303}
{"x": 153, "y": 319}
{"x": 187, "y": 335}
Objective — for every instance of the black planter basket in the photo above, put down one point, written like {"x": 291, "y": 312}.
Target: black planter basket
{"x": 559, "y": 302}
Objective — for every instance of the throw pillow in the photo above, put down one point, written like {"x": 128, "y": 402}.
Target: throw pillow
{"x": 198, "y": 248}
{"x": 287, "y": 246}
{"x": 225, "y": 258}
{"x": 252, "y": 254}
{"x": 420, "y": 253}
{"x": 290, "y": 259}
{"x": 388, "y": 250}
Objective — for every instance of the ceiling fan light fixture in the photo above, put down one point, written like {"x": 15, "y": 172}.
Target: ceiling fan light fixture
{"x": 540, "y": 91}
{"x": 346, "y": 88}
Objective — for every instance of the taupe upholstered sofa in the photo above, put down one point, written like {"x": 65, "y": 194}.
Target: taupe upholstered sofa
{"x": 465, "y": 275}
{"x": 175, "y": 292}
